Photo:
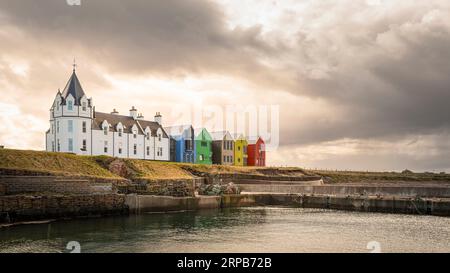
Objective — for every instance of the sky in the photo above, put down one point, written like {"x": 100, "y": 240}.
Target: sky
{"x": 352, "y": 84}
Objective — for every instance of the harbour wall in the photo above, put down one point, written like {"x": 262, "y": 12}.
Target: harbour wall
{"x": 344, "y": 190}
{"x": 142, "y": 204}
{"x": 16, "y": 208}
{"x": 54, "y": 184}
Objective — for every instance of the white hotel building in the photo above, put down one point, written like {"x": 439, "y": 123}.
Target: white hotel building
{"x": 75, "y": 127}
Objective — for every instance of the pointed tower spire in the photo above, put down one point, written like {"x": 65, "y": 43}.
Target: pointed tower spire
{"x": 73, "y": 87}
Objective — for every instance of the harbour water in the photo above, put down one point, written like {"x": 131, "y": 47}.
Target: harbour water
{"x": 257, "y": 229}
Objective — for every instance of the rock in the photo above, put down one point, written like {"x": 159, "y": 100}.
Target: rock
{"x": 218, "y": 189}
{"x": 119, "y": 168}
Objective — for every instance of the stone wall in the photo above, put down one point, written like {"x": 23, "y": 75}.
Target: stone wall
{"x": 2, "y": 189}
{"x": 52, "y": 184}
{"x": 143, "y": 203}
{"x": 22, "y": 208}
{"x": 167, "y": 187}
{"x": 235, "y": 178}
{"x": 344, "y": 190}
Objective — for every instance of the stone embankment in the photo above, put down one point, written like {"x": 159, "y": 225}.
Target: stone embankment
{"x": 142, "y": 204}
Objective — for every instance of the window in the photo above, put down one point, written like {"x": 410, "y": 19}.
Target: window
{"x": 148, "y": 136}
{"x": 159, "y": 137}
{"x": 135, "y": 149}
{"x": 84, "y": 126}
{"x": 224, "y": 158}
{"x": 59, "y": 146}
{"x": 120, "y": 132}
{"x": 84, "y": 145}
{"x": 70, "y": 126}
{"x": 204, "y": 144}
{"x": 239, "y": 160}
{"x": 120, "y": 150}
{"x": 53, "y": 146}
{"x": 70, "y": 105}
{"x": 134, "y": 135}
{"x": 148, "y": 150}
{"x": 201, "y": 158}
{"x": 160, "y": 151}
{"x": 239, "y": 148}
{"x": 70, "y": 145}
{"x": 105, "y": 130}
{"x": 84, "y": 106}
{"x": 57, "y": 126}
{"x": 105, "y": 149}
{"x": 224, "y": 145}
{"x": 188, "y": 144}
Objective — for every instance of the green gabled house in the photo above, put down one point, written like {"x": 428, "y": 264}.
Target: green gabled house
{"x": 203, "y": 146}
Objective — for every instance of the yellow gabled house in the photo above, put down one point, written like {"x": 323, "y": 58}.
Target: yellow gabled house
{"x": 240, "y": 150}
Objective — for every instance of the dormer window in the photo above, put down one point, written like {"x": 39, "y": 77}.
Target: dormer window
{"x": 134, "y": 134}
{"x": 120, "y": 132}
{"x": 148, "y": 136}
{"x": 70, "y": 105}
{"x": 159, "y": 137}
{"x": 84, "y": 106}
{"x": 105, "y": 130}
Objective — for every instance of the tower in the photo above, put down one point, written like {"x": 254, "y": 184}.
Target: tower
{"x": 71, "y": 116}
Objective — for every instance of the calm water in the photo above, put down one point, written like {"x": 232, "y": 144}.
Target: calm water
{"x": 261, "y": 229}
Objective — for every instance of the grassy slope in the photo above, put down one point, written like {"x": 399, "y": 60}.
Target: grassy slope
{"x": 97, "y": 166}
{"x": 52, "y": 163}
{"x": 45, "y": 163}
{"x": 154, "y": 170}
{"x": 348, "y": 177}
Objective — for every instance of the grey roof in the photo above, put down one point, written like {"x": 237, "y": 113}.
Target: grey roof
{"x": 74, "y": 88}
{"x": 219, "y": 135}
{"x": 178, "y": 130}
{"x": 127, "y": 122}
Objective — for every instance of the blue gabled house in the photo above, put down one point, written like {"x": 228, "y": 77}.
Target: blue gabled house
{"x": 182, "y": 143}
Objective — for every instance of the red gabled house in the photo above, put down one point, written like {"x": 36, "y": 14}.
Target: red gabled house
{"x": 256, "y": 152}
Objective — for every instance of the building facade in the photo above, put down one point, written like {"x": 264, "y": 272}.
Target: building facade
{"x": 75, "y": 127}
{"x": 222, "y": 148}
{"x": 256, "y": 152}
{"x": 183, "y": 142}
{"x": 203, "y": 146}
{"x": 240, "y": 150}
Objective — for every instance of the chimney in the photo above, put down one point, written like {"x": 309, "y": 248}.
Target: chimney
{"x": 158, "y": 118}
{"x": 114, "y": 112}
{"x": 133, "y": 112}
{"x": 140, "y": 116}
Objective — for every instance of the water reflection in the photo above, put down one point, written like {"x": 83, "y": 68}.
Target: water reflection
{"x": 261, "y": 229}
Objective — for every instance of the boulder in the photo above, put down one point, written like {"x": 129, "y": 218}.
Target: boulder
{"x": 218, "y": 189}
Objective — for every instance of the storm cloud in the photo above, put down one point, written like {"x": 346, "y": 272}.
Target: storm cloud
{"x": 371, "y": 73}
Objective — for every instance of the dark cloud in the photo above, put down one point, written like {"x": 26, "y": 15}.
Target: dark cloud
{"x": 370, "y": 71}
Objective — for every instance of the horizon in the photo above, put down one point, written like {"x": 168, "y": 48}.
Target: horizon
{"x": 351, "y": 85}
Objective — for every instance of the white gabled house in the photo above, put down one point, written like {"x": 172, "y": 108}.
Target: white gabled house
{"x": 75, "y": 127}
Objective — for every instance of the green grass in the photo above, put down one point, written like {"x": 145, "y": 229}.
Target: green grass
{"x": 61, "y": 164}
{"x": 51, "y": 163}
{"x": 348, "y": 177}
